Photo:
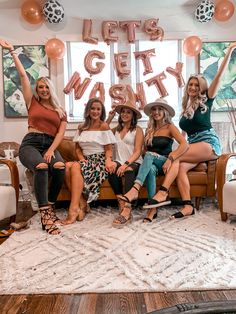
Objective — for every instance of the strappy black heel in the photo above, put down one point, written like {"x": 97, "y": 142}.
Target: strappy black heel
{"x": 126, "y": 199}
{"x": 180, "y": 214}
{"x": 47, "y": 220}
{"x": 148, "y": 218}
{"x": 152, "y": 203}
{"x": 51, "y": 210}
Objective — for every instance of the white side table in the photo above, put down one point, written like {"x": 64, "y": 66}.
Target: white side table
{"x": 229, "y": 197}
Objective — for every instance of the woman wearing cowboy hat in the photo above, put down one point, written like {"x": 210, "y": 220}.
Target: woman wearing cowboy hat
{"x": 203, "y": 141}
{"x": 127, "y": 152}
{"x": 160, "y": 135}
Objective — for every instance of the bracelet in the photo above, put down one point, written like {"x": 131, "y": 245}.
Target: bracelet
{"x": 126, "y": 163}
{"x": 170, "y": 158}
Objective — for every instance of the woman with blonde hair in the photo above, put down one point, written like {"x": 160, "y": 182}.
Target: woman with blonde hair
{"x": 38, "y": 151}
{"x": 160, "y": 135}
{"x": 203, "y": 141}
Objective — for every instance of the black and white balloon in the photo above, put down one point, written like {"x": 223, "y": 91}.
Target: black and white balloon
{"x": 205, "y": 11}
{"x": 53, "y": 11}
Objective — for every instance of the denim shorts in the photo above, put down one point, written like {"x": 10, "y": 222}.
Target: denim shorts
{"x": 208, "y": 136}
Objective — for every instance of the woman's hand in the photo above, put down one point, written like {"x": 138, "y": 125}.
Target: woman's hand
{"x": 166, "y": 166}
{"x": 121, "y": 170}
{"x": 110, "y": 166}
{"x": 111, "y": 115}
{"x": 6, "y": 45}
{"x": 49, "y": 155}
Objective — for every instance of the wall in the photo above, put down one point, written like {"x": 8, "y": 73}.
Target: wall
{"x": 177, "y": 25}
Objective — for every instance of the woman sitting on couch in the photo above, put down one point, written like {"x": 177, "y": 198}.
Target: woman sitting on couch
{"x": 94, "y": 151}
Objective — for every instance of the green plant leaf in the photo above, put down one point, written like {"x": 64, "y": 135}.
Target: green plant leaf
{"x": 215, "y": 49}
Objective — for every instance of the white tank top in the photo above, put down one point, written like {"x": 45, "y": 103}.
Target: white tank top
{"x": 124, "y": 148}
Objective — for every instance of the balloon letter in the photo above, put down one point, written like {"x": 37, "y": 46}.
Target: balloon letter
{"x": 157, "y": 81}
{"x": 87, "y": 27}
{"x": 120, "y": 64}
{"x": 108, "y": 28}
{"x": 98, "y": 88}
{"x": 177, "y": 73}
{"x": 75, "y": 83}
{"x": 130, "y": 26}
{"x": 140, "y": 95}
{"x": 118, "y": 93}
{"x": 74, "y": 80}
{"x": 145, "y": 57}
{"x": 89, "y": 59}
{"x": 151, "y": 28}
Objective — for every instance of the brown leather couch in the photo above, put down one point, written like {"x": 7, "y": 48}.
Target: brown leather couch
{"x": 206, "y": 179}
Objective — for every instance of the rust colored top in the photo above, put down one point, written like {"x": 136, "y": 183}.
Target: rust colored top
{"x": 43, "y": 119}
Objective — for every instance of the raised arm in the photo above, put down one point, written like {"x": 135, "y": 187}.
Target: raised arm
{"x": 25, "y": 83}
{"x": 214, "y": 86}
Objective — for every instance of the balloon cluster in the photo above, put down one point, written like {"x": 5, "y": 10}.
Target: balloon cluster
{"x": 33, "y": 13}
{"x": 206, "y": 10}
{"x": 53, "y": 12}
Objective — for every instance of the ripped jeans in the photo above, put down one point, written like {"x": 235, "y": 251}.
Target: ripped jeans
{"x": 31, "y": 152}
{"x": 150, "y": 168}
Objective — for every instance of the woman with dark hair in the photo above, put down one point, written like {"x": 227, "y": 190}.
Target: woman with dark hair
{"x": 127, "y": 151}
{"x": 84, "y": 177}
{"x": 38, "y": 151}
{"x": 203, "y": 141}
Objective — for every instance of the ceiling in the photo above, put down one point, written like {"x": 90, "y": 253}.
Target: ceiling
{"x": 110, "y": 9}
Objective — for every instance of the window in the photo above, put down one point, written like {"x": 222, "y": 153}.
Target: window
{"x": 167, "y": 53}
{"x": 74, "y": 62}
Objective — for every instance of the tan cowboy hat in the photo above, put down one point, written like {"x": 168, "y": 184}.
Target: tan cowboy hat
{"x": 130, "y": 106}
{"x": 161, "y": 102}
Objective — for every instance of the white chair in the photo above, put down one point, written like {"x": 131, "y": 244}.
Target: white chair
{"x": 9, "y": 193}
{"x": 229, "y": 196}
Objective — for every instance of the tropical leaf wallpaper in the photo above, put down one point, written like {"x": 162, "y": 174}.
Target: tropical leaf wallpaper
{"x": 211, "y": 57}
{"x": 35, "y": 62}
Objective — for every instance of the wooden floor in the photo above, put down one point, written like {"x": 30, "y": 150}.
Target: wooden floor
{"x": 113, "y": 303}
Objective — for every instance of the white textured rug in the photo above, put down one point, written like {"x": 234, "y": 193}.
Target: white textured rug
{"x": 91, "y": 256}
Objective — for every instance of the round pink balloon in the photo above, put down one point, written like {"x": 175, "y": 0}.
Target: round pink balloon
{"x": 192, "y": 46}
{"x": 55, "y": 48}
{"x": 224, "y": 10}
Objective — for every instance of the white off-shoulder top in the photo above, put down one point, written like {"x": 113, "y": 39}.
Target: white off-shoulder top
{"x": 92, "y": 142}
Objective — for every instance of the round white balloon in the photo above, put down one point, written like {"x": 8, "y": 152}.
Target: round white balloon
{"x": 205, "y": 11}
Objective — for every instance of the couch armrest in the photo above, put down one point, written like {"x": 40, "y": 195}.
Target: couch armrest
{"x": 14, "y": 176}
{"x": 220, "y": 180}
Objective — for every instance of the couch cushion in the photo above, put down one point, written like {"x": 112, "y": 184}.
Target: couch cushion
{"x": 67, "y": 149}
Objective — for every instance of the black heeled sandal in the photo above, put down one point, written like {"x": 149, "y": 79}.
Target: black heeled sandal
{"x": 180, "y": 214}
{"x": 47, "y": 221}
{"x": 126, "y": 199}
{"x": 148, "y": 218}
{"x": 152, "y": 203}
{"x": 52, "y": 213}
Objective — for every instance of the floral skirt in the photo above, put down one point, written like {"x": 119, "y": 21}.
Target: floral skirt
{"x": 94, "y": 173}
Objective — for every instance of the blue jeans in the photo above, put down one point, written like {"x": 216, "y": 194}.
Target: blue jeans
{"x": 31, "y": 152}
{"x": 149, "y": 169}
